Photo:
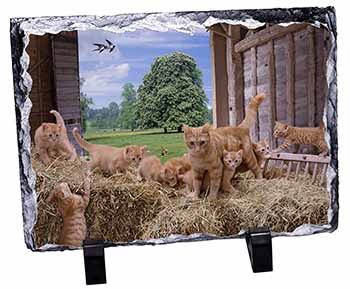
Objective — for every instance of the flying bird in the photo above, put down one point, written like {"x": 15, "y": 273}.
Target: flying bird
{"x": 102, "y": 47}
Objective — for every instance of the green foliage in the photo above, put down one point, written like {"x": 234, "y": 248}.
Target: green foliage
{"x": 105, "y": 117}
{"x": 84, "y": 105}
{"x": 172, "y": 94}
{"x": 127, "y": 107}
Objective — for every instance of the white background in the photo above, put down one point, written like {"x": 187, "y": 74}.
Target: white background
{"x": 319, "y": 261}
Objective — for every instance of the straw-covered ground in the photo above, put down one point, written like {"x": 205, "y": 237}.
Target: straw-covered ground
{"x": 122, "y": 209}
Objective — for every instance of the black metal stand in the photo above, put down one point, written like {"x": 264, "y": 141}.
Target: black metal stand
{"x": 259, "y": 243}
{"x": 94, "y": 260}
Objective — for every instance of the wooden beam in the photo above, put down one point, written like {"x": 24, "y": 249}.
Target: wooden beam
{"x": 239, "y": 85}
{"x": 266, "y": 35}
{"x": 230, "y": 79}
{"x": 300, "y": 158}
{"x": 272, "y": 83}
{"x": 254, "y": 83}
{"x": 311, "y": 76}
{"x": 290, "y": 80}
{"x": 213, "y": 79}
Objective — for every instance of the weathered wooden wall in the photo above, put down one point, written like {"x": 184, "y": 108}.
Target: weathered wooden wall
{"x": 54, "y": 68}
{"x": 42, "y": 94}
{"x": 287, "y": 64}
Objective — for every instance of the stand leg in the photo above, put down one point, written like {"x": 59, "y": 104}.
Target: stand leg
{"x": 259, "y": 245}
{"x": 94, "y": 260}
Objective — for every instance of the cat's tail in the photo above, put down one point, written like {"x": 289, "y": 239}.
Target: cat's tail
{"x": 252, "y": 111}
{"x": 59, "y": 119}
{"x": 83, "y": 143}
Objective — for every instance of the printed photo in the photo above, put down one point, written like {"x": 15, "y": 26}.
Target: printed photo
{"x": 153, "y": 134}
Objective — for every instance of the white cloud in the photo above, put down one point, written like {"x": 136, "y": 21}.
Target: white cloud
{"x": 104, "y": 81}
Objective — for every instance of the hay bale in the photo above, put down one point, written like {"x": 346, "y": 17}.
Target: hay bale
{"x": 117, "y": 206}
{"x": 280, "y": 204}
{"x": 121, "y": 209}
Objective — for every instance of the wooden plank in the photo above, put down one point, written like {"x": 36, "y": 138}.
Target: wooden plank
{"x": 221, "y": 87}
{"x": 213, "y": 78}
{"x": 311, "y": 77}
{"x": 230, "y": 79}
{"x": 314, "y": 173}
{"x": 272, "y": 89}
{"x": 254, "y": 90}
{"x": 72, "y": 60}
{"x": 290, "y": 80}
{"x": 67, "y": 90}
{"x": 266, "y": 35}
{"x": 297, "y": 171}
{"x": 323, "y": 174}
{"x": 69, "y": 83}
{"x": 306, "y": 170}
{"x": 289, "y": 169}
{"x": 300, "y": 158}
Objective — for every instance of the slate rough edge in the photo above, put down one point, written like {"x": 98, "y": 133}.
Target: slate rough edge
{"x": 22, "y": 85}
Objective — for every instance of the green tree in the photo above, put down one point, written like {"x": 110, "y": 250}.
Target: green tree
{"x": 85, "y": 102}
{"x": 126, "y": 118}
{"x": 172, "y": 94}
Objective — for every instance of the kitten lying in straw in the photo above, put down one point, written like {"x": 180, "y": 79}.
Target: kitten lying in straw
{"x": 51, "y": 139}
{"x": 173, "y": 167}
{"x": 72, "y": 208}
{"x": 111, "y": 159}
{"x": 301, "y": 135}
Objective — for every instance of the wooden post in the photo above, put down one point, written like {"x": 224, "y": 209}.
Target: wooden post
{"x": 254, "y": 82}
{"x": 213, "y": 83}
{"x": 272, "y": 77}
{"x": 290, "y": 80}
{"x": 238, "y": 81}
{"x": 230, "y": 79}
{"x": 311, "y": 76}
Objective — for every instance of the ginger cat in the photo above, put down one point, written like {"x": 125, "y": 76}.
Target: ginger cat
{"x": 205, "y": 150}
{"x": 51, "y": 139}
{"x": 173, "y": 167}
{"x": 301, "y": 135}
{"x": 231, "y": 160}
{"x": 72, "y": 208}
{"x": 111, "y": 159}
{"x": 150, "y": 169}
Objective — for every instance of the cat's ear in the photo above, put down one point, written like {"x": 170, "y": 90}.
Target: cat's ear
{"x": 206, "y": 128}
{"x": 240, "y": 152}
{"x": 225, "y": 152}
{"x": 51, "y": 197}
{"x": 187, "y": 129}
{"x": 128, "y": 150}
{"x": 180, "y": 170}
{"x": 285, "y": 126}
{"x": 59, "y": 127}
{"x": 255, "y": 146}
{"x": 144, "y": 149}
{"x": 45, "y": 126}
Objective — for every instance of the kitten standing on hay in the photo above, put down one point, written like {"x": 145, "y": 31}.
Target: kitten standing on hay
{"x": 72, "y": 208}
{"x": 51, "y": 140}
{"x": 111, "y": 159}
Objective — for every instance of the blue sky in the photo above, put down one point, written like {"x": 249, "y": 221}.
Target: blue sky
{"x": 106, "y": 73}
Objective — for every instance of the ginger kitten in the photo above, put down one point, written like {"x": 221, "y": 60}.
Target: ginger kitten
{"x": 231, "y": 160}
{"x": 111, "y": 159}
{"x": 51, "y": 139}
{"x": 173, "y": 167}
{"x": 301, "y": 135}
{"x": 72, "y": 208}
{"x": 205, "y": 150}
{"x": 150, "y": 169}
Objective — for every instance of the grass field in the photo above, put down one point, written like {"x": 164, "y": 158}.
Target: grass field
{"x": 153, "y": 138}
